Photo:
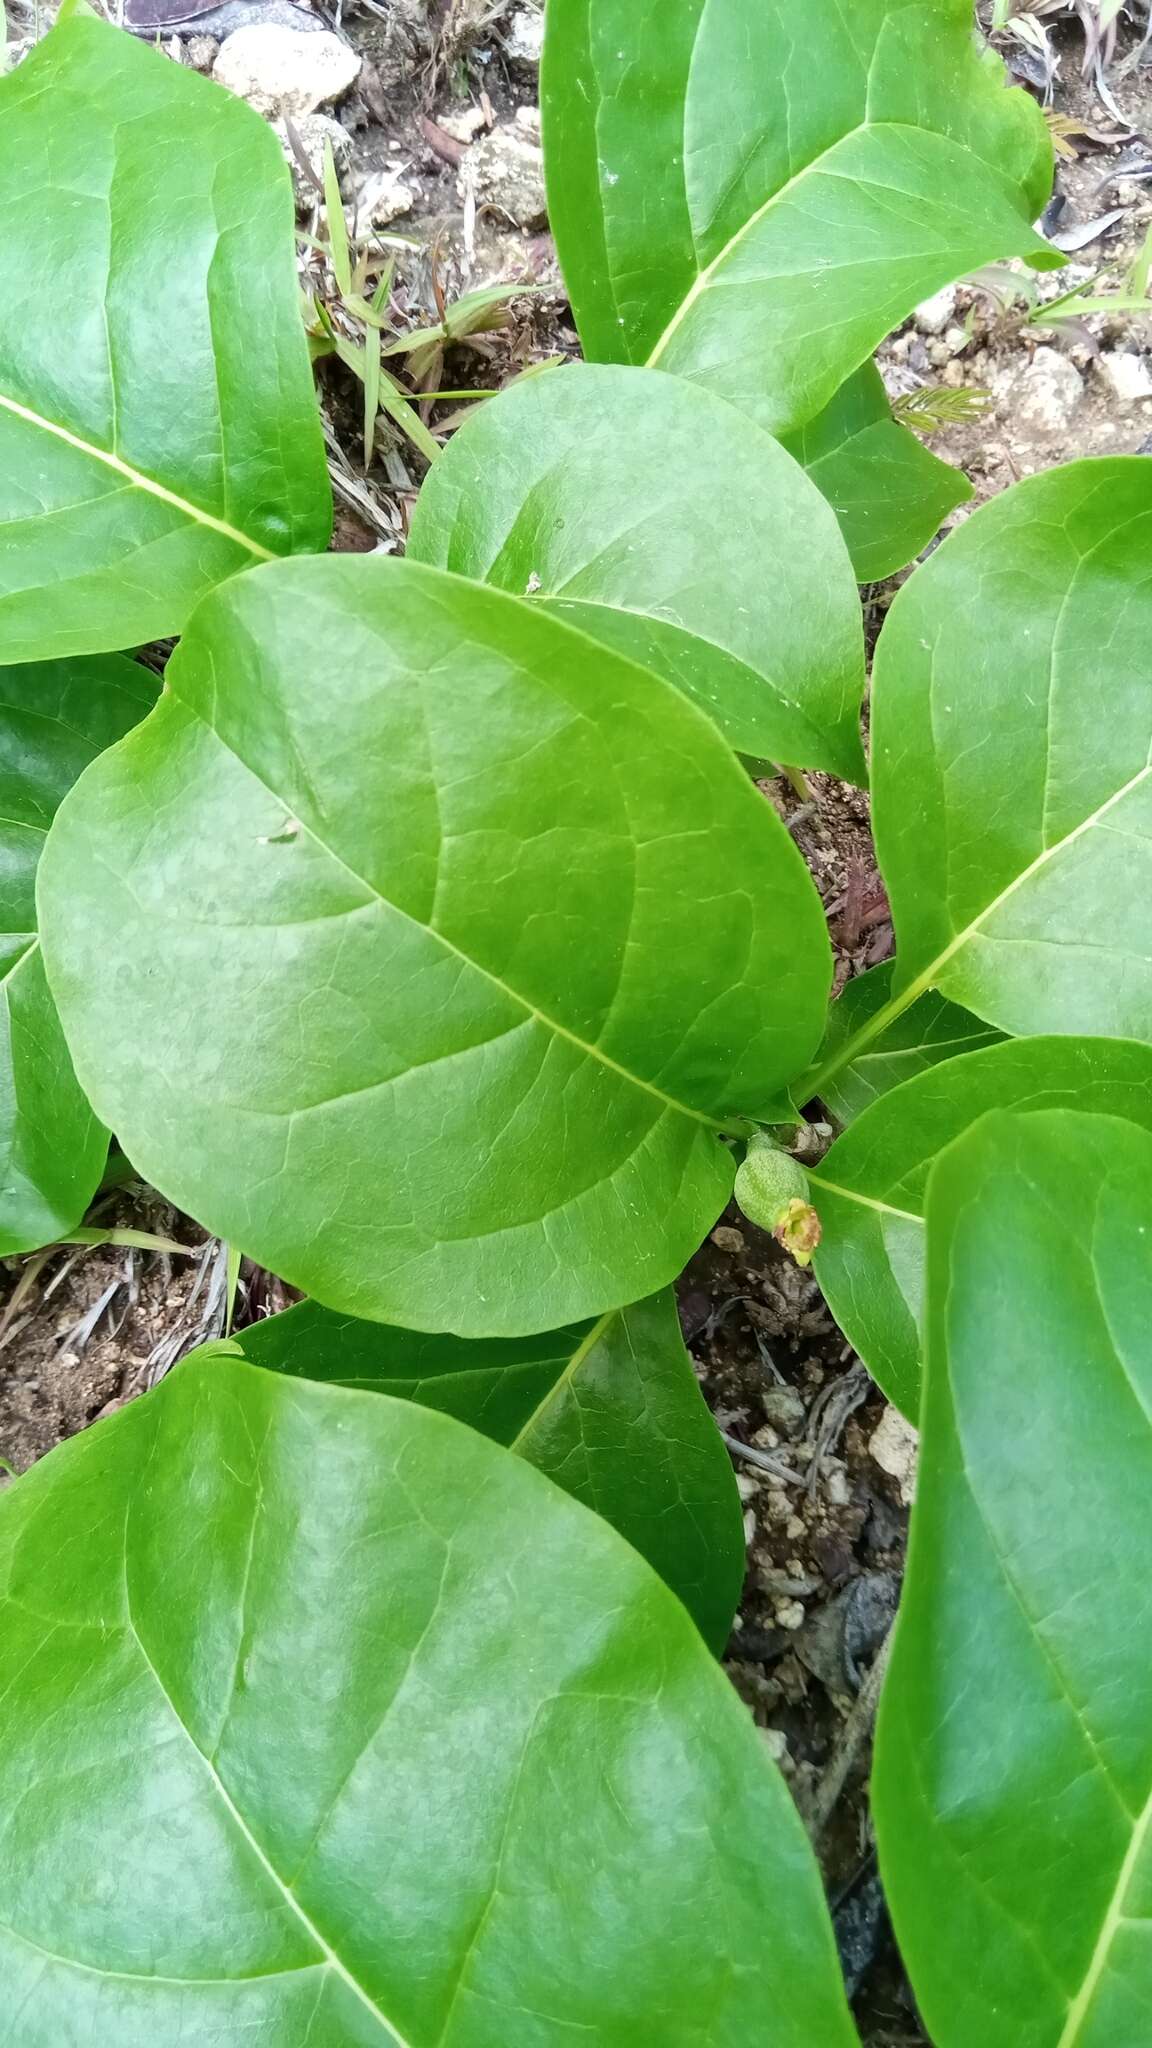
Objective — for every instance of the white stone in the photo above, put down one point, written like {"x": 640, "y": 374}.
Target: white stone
{"x": 1045, "y": 394}
{"x": 776, "y": 1743}
{"x": 286, "y": 70}
{"x": 313, "y": 131}
{"x": 507, "y": 171}
{"x": 938, "y": 312}
{"x": 384, "y": 197}
{"x": 524, "y": 40}
{"x": 463, "y": 124}
{"x": 1127, "y": 375}
{"x": 895, "y": 1447}
{"x": 528, "y": 118}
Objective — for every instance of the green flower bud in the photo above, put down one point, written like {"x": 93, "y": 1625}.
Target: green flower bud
{"x": 772, "y": 1190}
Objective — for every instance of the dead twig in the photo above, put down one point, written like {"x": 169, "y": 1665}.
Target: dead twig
{"x": 763, "y": 1460}
{"x": 856, "y": 1731}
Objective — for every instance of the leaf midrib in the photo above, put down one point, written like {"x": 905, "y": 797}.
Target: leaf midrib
{"x": 564, "y": 1378}
{"x": 530, "y": 1009}
{"x": 833, "y": 1187}
{"x": 812, "y": 1083}
{"x": 327, "y": 1954}
{"x": 703, "y": 278}
{"x": 137, "y": 479}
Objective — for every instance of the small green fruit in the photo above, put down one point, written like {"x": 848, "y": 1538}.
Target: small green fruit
{"x": 772, "y": 1190}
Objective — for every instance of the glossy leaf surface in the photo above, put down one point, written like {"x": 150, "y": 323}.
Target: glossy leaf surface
{"x": 610, "y": 1410}
{"x": 888, "y": 491}
{"x": 55, "y": 717}
{"x": 752, "y": 196}
{"x": 925, "y": 1035}
{"x": 1013, "y": 1780}
{"x": 614, "y": 491}
{"x": 870, "y": 1189}
{"x": 329, "y": 1724}
{"x": 1012, "y": 731}
{"x": 430, "y": 990}
{"x": 158, "y": 429}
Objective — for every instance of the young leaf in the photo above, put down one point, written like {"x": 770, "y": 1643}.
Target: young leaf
{"x": 1013, "y": 1784}
{"x": 610, "y": 1410}
{"x": 431, "y": 990}
{"x": 923, "y": 1036}
{"x": 752, "y": 196}
{"x": 158, "y": 428}
{"x": 889, "y": 492}
{"x": 55, "y": 717}
{"x": 870, "y": 1189}
{"x": 612, "y": 490}
{"x": 328, "y": 1723}
{"x": 1012, "y": 729}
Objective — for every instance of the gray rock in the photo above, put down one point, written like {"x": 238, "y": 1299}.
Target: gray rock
{"x": 1127, "y": 375}
{"x": 201, "y": 52}
{"x": 938, "y": 312}
{"x": 1045, "y": 395}
{"x": 506, "y": 170}
{"x": 313, "y": 131}
{"x": 284, "y": 71}
{"x": 895, "y": 1447}
{"x": 524, "y": 39}
{"x": 383, "y": 197}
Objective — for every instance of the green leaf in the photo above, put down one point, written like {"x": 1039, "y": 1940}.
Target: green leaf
{"x": 915, "y": 1039}
{"x": 158, "y": 429}
{"x": 753, "y": 196}
{"x": 1012, "y": 729}
{"x": 55, "y": 717}
{"x": 430, "y": 989}
{"x": 1013, "y": 1785}
{"x": 610, "y": 1410}
{"x": 328, "y": 1723}
{"x": 612, "y": 490}
{"x": 888, "y": 491}
{"x": 870, "y": 1189}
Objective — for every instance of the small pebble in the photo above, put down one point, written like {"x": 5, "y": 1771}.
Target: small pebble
{"x": 1126, "y": 375}
{"x": 726, "y": 1239}
{"x": 837, "y": 1489}
{"x": 789, "y": 1614}
{"x": 933, "y": 315}
{"x": 776, "y": 1743}
{"x": 895, "y": 1446}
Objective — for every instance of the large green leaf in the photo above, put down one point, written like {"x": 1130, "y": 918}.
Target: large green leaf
{"x": 158, "y": 429}
{"x": 610, "y": 1410}
{"x": 420, "y": 946}
{"x": 55, "y": 717}
{"x": 613, "y": 490}
{"x": 870, "y": 1189}
{"x": 753, "y": 195}
{"x": 889, "y": 492}
{"x": 1012, "y": 731}
{"x": 922, "y": 1036}
{"x": 1013, "y": 1789}
{"x": 329, "y": 1725}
